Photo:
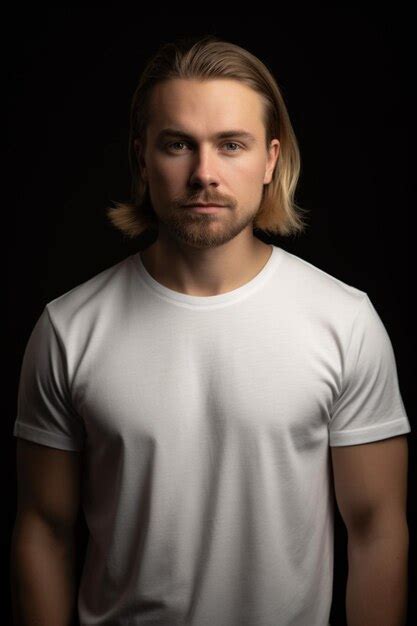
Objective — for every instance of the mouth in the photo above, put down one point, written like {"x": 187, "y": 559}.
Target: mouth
{"x": 202, "y": 204}
{"x": 205, "y": 208}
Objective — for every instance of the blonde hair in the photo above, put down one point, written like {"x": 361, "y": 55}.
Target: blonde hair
{"x": 204, "y": 59}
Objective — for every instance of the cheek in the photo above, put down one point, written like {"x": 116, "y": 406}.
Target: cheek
{"x": 250, "y": 165}
{"x": 163, "y": 176}
{"x": 246, "y": 174}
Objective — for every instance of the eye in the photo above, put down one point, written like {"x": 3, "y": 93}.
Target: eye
{"x": 179, "y": 143}
{"x": 175, "y": 143}
{"x": 232, "y": 143}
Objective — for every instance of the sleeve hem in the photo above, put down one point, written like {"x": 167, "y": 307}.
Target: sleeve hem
{"x": 395, "y": 427}
{"x": 46, "y": 438}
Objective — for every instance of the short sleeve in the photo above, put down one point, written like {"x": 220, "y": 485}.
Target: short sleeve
{"x": 369, "y": 406}
{"x": 45, "y": 414}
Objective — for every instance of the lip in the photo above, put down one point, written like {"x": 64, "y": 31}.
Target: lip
{"x": 206, "y": 208}
{"x": 204, "y": 204}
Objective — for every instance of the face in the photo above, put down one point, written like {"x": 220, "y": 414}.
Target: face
{"x": 199, "y": 165}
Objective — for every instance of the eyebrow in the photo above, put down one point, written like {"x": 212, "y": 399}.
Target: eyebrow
{"x": 225, "y": 134}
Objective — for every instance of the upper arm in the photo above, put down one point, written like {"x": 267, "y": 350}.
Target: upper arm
{"x": 48, "y": 484}
{"x": 370, "y": 481}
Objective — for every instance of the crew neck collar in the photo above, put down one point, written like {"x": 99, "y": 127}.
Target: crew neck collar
{"x": 199, "y": 302}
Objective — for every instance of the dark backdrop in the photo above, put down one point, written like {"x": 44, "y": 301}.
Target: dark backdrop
{"x": 346, "y": 77}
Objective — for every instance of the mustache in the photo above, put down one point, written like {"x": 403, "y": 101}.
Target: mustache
{"x": 192, "y": 201}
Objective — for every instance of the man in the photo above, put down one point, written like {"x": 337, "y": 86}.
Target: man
{"x": 217, "y": 387}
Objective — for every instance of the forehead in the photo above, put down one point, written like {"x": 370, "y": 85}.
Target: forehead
{"x": 205, "y": 107}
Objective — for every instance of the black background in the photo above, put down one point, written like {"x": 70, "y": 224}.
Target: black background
{"x": 346, "y": 76}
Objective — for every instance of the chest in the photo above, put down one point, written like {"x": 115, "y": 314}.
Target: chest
{"x": 276, "y": 377}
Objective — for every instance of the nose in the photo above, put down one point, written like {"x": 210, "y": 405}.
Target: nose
{"x": 203, "y": 168}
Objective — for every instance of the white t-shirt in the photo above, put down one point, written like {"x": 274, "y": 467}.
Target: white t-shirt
{"x": 206, "y": 422}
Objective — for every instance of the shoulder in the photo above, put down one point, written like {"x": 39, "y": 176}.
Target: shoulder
{"x": 92, "y": 299}
{"x": 318, "y": 291}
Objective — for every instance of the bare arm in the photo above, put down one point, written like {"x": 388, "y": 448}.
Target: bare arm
{"x": 43, "y": 550}
{"x": 371, "y": 493}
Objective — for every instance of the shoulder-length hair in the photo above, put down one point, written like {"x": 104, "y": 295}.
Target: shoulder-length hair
{"x": 208, "y": 58}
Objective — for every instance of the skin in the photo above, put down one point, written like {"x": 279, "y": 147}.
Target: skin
{"x": 200, "y": 253}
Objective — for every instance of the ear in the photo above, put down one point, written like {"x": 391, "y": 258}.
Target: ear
{"x": 141, "y": 160}
{"x": 274, "y": 150}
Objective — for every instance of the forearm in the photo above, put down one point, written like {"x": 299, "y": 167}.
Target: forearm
{"x": 43, "y": 575}
{"x": 377, "y": 585}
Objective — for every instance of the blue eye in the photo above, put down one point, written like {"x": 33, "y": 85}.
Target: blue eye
{"x": 230, "y": 143}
